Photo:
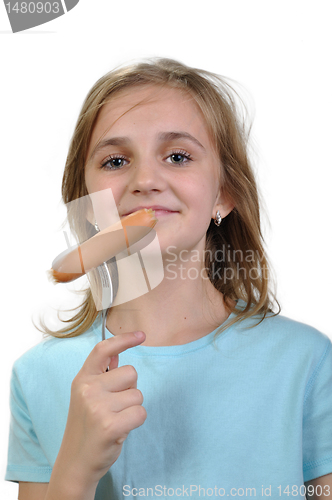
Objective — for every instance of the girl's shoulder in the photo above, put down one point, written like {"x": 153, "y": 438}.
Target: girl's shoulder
{"x": 285, "y": 334}
{"x": 57, "y": 353}
{"x": 283, "y": 325}
{"x": 294, "y": 339}
{"x": 295, "y": 330}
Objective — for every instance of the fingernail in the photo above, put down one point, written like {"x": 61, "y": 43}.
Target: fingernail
{"x": 139, "y": 335}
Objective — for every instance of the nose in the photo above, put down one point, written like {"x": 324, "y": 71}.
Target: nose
{"x": 146, "y": 176}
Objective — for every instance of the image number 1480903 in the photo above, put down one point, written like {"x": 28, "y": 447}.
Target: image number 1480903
{"x": 25, "y": 15}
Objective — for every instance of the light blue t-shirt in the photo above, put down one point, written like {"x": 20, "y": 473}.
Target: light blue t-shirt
{"x": 248, "y": 416}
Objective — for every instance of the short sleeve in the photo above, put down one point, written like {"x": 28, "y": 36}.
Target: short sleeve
{"x": 26, "y": 460}
{"x": 317, "y": 419}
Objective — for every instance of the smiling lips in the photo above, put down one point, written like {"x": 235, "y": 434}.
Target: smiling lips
{"x": 158, "y": 209}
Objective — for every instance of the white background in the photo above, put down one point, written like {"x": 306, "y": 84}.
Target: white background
{"x": 279, "y": 51}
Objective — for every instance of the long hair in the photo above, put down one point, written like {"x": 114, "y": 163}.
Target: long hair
{"x": 243, "y": 272}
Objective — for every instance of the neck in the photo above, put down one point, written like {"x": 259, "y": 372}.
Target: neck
{"x": 185, "y": 306}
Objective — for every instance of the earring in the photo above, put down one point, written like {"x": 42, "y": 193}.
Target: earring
{"x": 218, "y": 219}
{"x": 96, "y": 227}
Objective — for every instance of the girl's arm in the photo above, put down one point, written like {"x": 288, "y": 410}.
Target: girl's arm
{"x": 39, "y": 491}
{"x": 32, "y": 491}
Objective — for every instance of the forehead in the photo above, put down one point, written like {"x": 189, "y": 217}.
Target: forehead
{"x": 163, "y": 107}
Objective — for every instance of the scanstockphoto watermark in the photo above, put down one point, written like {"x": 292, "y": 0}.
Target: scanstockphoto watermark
{"x": 265, "y": 491}
{"x": 189, "y": 491}
{"x": 224, "y": 264}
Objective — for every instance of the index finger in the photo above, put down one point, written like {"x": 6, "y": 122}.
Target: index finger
{"x": 100, "y": 356}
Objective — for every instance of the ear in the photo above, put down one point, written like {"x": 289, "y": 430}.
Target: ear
{"x": 224, "y": 204}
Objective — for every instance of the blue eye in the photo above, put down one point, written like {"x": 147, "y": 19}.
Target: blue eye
{"x": 176, "y": 158}
{"x": 113, "y": 163}
{"x": 116, "y": 162}
{"x": 179, "y": 157}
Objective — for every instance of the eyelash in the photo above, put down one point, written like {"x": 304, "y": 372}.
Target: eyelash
{"x": 179, "y": 152}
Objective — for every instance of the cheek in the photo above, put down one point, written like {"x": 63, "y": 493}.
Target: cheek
{"x": 93, "y": 182}
{"x": 107, "y": 200}
{"x": 203, "y": 202}
{"x": 202, "y": 195}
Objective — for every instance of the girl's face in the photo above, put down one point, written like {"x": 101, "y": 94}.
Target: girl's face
{"x": 154, "y": 150}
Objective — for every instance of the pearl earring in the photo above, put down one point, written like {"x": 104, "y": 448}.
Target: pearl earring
{"x": 218, "y": 219}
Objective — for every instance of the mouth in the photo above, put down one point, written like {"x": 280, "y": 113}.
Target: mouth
{"x": 159, "y": 211}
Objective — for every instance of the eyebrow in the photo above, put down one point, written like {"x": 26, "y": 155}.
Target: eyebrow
{"x": 162, "y": 137}
{"x": 173, "y": 136}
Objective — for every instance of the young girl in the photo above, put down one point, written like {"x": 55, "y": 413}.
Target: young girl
{"x": 201, "y": 388}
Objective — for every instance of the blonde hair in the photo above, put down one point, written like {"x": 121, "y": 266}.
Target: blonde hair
{"x": 240, "y": 233}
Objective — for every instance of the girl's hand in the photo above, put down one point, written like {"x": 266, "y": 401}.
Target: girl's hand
{"x": 104, "y": 408}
